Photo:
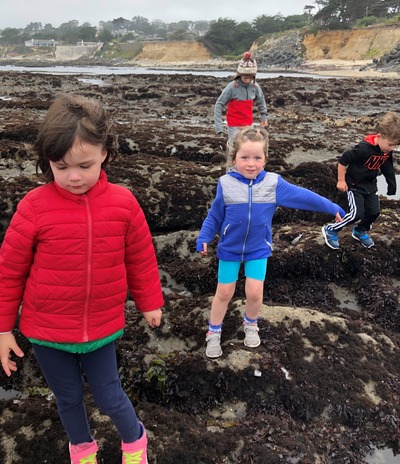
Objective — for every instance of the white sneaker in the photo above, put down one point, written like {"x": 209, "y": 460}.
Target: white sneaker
{"x": 213, "y": 349}
{"x": 251, "y": 338}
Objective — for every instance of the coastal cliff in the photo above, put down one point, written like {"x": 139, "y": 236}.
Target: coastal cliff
{"x": 355, "y": 44}
{"x": 294, "y": 49}
{"x": 173, "y": 51}
{"x": 290, "y": 49}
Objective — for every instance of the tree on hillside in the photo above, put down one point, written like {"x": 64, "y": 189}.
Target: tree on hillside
{"x": 219, "y": 38}
{"x": 33, "y": 28}
{"x": 11, "y": 35}
{"x": 344, "y": 13}
{"x": 87, "y": 33}
{"x": 47, "y": 32}
{"x": 121, "y": 23}
{"x": 140, "y": 24}
{"x": 105, "y": 34}
{"x": 266, "y": 24}
{"x": 243, "y": 37}
{"x": 384, "y": 7}
{"x": 226, "y": 37}
{"x": 295, "y": 22}
{"x": 159, "y": 28}
{"x": 331, "y": 11}
{"x": 178, "y": 26}
{"x": 68, "y": 32}
{"x": 201, "y": 26}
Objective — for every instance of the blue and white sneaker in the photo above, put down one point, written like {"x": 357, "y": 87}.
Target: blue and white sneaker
{"x": 331, "y": 238}
{"x": 363, "y": 237}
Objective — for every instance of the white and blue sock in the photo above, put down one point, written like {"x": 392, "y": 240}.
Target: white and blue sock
{"x": 247, "y": 320}
{"x": 214, "y": 328}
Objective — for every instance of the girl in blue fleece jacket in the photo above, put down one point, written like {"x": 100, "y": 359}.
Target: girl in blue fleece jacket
{"x": 242, "y": 212}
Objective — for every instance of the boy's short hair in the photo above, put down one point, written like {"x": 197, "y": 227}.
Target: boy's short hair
{"x": 389, "y": 126}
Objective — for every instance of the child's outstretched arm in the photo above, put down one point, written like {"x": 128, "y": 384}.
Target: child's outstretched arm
{"x": 293, "y": 196}
{"x": 8, "y": 344}
{"x": 153, "y": 318}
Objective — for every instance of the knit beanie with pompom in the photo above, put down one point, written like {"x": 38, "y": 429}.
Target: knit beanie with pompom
{"x": 247, "y": 65}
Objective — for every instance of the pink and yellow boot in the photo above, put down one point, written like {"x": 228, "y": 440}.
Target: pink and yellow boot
{"x": 84, "y": 453}
{"x": 136, "y": 452}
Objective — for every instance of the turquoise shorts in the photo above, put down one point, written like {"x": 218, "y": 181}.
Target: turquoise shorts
{"x": 228, "y": 271}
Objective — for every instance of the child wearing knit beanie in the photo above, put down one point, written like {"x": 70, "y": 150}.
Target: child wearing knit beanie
{"x": 247, "y": 66}
{"x": 238, "y": 98}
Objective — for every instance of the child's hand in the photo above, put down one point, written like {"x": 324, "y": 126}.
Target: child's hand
{"x": 204, "y": 252}
{"x": 153, "y": 318}
{"x": 8, "y": 344}
{"x": 342, "y": 186}
{"x": 338, "y": 217}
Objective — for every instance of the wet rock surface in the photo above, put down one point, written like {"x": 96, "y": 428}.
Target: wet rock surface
{"x": 329, "y": 359}
{"x": 389, "y": 61}
{"x": 283, "y": 51}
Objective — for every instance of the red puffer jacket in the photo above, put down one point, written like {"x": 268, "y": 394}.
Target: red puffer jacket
{"x": 71, "y": 259}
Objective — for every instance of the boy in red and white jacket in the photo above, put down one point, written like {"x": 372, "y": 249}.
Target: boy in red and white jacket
{"x": 238, "y": 97}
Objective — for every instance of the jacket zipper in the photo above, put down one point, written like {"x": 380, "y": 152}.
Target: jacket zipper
{"x": 88, "y": 269}
{"x": 248, "y": 217}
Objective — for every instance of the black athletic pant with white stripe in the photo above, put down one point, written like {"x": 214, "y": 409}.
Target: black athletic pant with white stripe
{"x": 363, "y": 207}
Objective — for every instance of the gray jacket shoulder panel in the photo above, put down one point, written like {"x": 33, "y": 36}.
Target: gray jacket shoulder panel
{"x": 235, "y": 191}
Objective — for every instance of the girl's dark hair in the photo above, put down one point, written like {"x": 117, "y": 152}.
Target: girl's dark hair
{"x": 70, "y": 118}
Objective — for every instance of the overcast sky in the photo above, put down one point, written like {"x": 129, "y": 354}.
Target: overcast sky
{"x": 19, "y": 13}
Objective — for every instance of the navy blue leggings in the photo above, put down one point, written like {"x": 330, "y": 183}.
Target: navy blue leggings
{"x": 63, "y": 373}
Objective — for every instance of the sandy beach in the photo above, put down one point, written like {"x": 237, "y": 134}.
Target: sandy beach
{"x": 344, "y": 68}
{"x": 325, "y": 67}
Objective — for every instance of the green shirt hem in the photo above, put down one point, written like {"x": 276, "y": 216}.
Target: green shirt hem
{"x": 81, "y": 348}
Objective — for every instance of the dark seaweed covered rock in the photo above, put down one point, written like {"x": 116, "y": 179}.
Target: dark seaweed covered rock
{"x": 327, "y": 372}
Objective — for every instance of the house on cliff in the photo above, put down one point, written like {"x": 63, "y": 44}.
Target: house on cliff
{"x": 41, "y": 43}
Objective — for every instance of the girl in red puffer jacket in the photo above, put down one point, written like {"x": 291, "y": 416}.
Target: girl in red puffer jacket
{"x": 74, "y": 248}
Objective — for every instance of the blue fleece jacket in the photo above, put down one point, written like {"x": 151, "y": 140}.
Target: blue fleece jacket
{"x": 243, "y": 209}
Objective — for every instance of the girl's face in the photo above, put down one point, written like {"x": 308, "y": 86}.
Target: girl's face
{"x": 250, "y": 159}
{"x": 80, "y": 168}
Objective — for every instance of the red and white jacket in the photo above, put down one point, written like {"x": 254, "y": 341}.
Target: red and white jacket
{"x": 70, "y": 259}
{"x": 239, "y": 98}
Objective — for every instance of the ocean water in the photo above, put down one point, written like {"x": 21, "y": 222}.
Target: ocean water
{"x": 382, "y": 188}
{"x": 121, "y": 70}
{"x": 382, "y": 456}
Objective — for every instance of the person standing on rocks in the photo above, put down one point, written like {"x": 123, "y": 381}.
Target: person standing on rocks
{"x": 241, "y": 213}
{"x": 358, "y": 169}
{"x": 238, "y": 97}
{"x": 73, "y": 249}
